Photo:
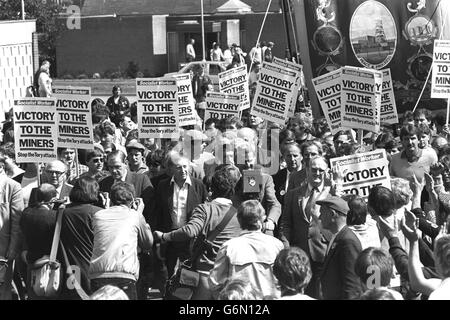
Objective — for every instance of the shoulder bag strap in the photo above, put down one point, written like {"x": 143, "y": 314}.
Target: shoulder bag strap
{"x": 83, "y": 295}
{"x": 57, "y": 233}
{"x": 219, "y": 228}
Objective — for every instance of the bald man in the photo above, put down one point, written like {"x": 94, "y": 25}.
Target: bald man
{"x": 177, "y": 197}
{"x": 299, "y": 223}
{"x": 54, "y": 173}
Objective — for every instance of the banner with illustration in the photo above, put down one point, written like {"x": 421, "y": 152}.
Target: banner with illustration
{"x": 383, "y": 34}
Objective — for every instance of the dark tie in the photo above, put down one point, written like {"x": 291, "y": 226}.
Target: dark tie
{"x": 311, "y": 202}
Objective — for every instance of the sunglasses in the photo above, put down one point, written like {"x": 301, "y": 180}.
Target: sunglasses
{"x": 97, "y": 160}
{"x": 58, "y": 173}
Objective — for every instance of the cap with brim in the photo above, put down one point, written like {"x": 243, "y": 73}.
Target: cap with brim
{"x": 135, "y": 145}
{"x": 336, "y": 203}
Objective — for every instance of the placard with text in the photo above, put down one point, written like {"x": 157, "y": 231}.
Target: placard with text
{"x": 361, "y": 98}
{"x": 273, "y": 93}
{"x": 363, "y": 171}
{"x": 157, "y": 105}
{"x": 235, "y": 81}
{"x": 186, "y": 102}
{"x": 75, "y": 129}
{"x": 440, "y": 78}
{"x": 221, "y": 105}
{"x": 298, "y": 82}
{"x": 35, "y": 129}
{"x": 328, "y": 90}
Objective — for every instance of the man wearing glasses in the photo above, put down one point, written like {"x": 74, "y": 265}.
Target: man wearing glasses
{"x": 299, "y": 224}
{"x": 55, "y": 174}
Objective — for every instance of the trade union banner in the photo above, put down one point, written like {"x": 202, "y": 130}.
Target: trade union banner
{"x": 383, "y": 34}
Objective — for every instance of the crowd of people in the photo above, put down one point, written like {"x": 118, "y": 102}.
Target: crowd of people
{"x": 277, "y": 221}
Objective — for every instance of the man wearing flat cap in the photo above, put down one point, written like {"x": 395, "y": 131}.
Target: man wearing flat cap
{"x": 339, "y": 280}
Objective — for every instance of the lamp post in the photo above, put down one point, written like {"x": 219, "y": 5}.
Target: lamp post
{"x": 203, "y": 32}
{"x": 23, "y": 9}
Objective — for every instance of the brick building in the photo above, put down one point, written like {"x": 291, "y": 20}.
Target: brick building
{"x": 153, "y": 33}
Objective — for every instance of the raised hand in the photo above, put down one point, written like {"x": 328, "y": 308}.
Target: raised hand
{"x": 387, "y": 228}
{"x": 409, "y": 226}
{"x": 437, "y": 169}
{"x": 416, "y": 185}
{"x": 429, "y": 182}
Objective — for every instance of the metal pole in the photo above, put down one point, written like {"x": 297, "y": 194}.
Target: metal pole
{"x": 448, "y": 111}
{"x": 203, "y": 33}
{"x": 286, "y": 28}
{"x": 23, "y": 9}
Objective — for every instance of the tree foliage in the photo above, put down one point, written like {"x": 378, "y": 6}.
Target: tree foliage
{"x": 48, "y": 25}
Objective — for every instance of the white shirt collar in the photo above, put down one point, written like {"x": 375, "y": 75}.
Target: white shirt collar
{"x": 187, "y": 181}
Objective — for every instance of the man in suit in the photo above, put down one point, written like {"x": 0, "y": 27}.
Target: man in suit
{"x": 54, "y": 173}
{"x": 292, "y": 156}
{"x": 10, "y": 235}
{"x": 299, "y": 223}
{"x": 120, "y": 172}
{"x": 177, "y": 197}
{"x": 266, "y": 193}
{"x": 308, "y": 149}
{"x": 339, "y": 280}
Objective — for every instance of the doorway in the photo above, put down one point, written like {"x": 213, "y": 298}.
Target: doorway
{"x": 210, "y": 37}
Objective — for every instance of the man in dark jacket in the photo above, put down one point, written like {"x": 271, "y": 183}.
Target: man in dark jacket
{"x": 339, "y": 280}
{"x": 292, "y": 156}
{"x": 177, "y": 198}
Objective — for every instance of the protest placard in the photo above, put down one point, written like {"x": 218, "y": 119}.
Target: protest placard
{"x": 235, "y": 81}
{"x": 273, "y": 93}
{"x": 186, "y": 102}
{"x": 75, "y": 129}
{"x": 361, "y": 98}
{"x": 328, "y": 90}
{"x": 35, "y": 129}
{"x": 298, "y": 81}
{"x": 440, "y": 78}
{"x": 221, "y": 105}
{"x": 388, "y": 111}
{"x": 157, "y": 105}
{"x": 363, "y": 171}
